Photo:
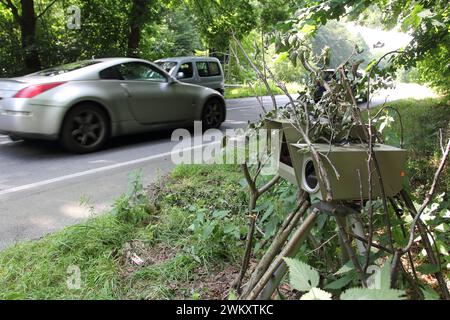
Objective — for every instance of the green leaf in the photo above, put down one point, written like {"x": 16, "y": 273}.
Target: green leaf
{"x": 316, "y": 294}
{"x": 428, "y": 268}
{"x": 302, "y": 276}
{"x": 207, "y": 231}
{"x": 341, "y": 282}
{"x": 372, "y": 294}
{"x": 266, "y": 214}
{"x": 220, "y": 214}
{"x": 429, "y": 294}
{"x": 281, "y": 57}
{"x": 232, "y": 295}
{"x": 385, "y": 275}
{"x": 425, "y": 14}
{"x": 344, "y": 269}
{"x": 308, "y": 29}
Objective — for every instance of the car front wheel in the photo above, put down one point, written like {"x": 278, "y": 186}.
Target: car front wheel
{"x": 85, "y": 129}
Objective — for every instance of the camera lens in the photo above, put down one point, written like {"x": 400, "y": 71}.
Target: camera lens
{"x": 310, "y": 176}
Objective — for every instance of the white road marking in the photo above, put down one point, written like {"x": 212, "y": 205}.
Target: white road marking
{"x": 240, "y": 108}
{"x": 101, "y": 161}
{"x": 97, "y": 170}
{"x": 236, "y": 122}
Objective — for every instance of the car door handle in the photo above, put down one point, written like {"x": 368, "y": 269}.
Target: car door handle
{"x": 126, "y": 89}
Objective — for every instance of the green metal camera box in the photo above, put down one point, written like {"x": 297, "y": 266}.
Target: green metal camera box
{"x": 347, "y": 170}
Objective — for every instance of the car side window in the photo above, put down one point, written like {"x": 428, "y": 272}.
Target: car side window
{"x": 141, "y": 71}
{"x": 214, "y": 69}
{"x": 187, "y": 70}
{"x": 202, "y": 68}
{"x": 111, "y": 73}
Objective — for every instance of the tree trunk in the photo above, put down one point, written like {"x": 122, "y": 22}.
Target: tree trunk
{"x": 28, "y": 36}
{"x": 136, "y": 21}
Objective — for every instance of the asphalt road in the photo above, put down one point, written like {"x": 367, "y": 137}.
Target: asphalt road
{"x": 42, "y": 186}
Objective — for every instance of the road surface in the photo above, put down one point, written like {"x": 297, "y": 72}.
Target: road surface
{"x": 42, "y": 187}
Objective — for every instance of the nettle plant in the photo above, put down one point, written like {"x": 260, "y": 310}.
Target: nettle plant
{"x": 305, "y": 278}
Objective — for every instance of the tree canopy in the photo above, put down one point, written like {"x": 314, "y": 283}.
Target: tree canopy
{"x": 35, "y": 32}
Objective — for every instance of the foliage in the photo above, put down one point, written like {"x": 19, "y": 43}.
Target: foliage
{"x": 179, "y": 33}
{"x": 133, "y": 206}
{"x": 38, "y": 269}
{"x": 259, "y": 90}
{"x": 426, "y": 21}
{"x": 422, "y": 120}
{"x": 306, "y": 279}
{"x": 217, "y": 19}
{"x": 341, "y": 42}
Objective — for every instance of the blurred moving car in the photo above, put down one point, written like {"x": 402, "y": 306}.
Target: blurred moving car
{"x": 84, "y": 103}
{"x": 204, "y": 71}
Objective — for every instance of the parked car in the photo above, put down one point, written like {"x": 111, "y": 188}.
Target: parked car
{"x": 84, "y": 103}
{"x": 204, "y": 71}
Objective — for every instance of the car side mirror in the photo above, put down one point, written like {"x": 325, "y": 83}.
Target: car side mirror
{"x": 180, "y": 75}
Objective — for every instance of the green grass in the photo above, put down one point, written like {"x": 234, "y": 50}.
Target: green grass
{"x": 260, "y": 90}
{"x": 422, "y": 120}
{"x": 38, "y": 269}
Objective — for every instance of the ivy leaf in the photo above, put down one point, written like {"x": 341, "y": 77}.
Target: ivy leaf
{"x": 372, "y": 294}
{"x": 316, "y": 294}
{"x": 302, "y": 276}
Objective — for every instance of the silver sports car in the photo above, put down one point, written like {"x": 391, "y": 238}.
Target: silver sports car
{"x": 84, "y": 103}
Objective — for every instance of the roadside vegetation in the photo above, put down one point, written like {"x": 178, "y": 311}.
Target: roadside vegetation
{"x": 174, "y": 240}
{"x": 260, "y": 90}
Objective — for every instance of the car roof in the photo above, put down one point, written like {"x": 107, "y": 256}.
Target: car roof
{"x": 85, "y": 73}
{"x": 187, "y": 58}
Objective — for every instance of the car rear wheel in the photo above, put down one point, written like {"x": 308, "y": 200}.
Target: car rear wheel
{"x": 85, "y": 129}
{"x": 213, "y": 114}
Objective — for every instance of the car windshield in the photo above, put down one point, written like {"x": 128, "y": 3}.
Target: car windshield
{"x": 54, "y": 71}
{"x": 166, "y": 65}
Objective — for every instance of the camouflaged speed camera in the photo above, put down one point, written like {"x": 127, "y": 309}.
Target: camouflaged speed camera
{"x": 287, "y": 136}
{"x": 350, "y": 162}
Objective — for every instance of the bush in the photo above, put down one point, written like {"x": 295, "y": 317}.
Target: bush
{"x": 422, "y": 120}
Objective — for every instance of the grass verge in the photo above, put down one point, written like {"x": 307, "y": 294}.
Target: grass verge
{"x": 171, "y": 230}
{"x": 422, "y": 119}
{"x": 260, "y": 90}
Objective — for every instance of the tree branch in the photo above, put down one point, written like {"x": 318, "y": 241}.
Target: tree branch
{"x": 45, "y": 9}
{"x": 428, "y": 198}
{"x": 13, "y": 8}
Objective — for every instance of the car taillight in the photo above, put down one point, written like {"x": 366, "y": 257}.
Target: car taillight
{"x": 34, "y": 90}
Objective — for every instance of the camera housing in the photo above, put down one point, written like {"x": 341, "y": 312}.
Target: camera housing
{"x": 350, "y": 163}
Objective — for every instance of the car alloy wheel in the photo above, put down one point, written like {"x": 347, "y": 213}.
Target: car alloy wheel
{"x": 85, "y": 129}
{"x": 88, "y": 128}
{"x": 212, "y": 114}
